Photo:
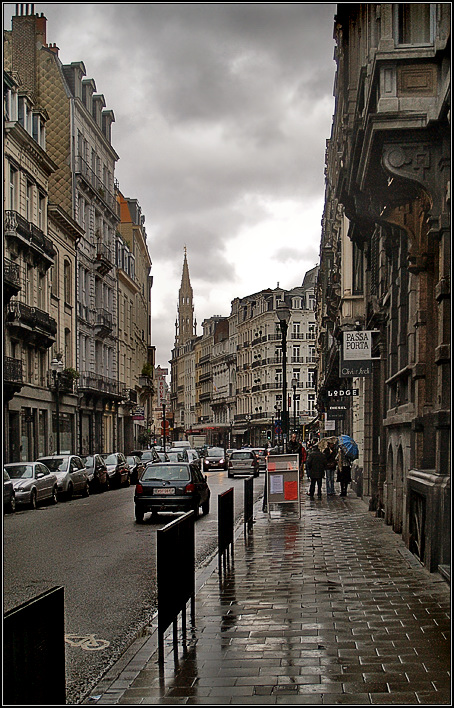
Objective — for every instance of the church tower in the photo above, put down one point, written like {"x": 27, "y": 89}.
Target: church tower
{"x": 185, "y": 325}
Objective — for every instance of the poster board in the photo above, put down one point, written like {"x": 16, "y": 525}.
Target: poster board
{"x": 282, "y": 480}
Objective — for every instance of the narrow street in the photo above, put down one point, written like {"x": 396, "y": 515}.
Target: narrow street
{"x": 106, "y": 564}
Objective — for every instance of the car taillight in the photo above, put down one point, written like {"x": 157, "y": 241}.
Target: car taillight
{"x": 189, "y": 489}
{"x": 139, "y": 489}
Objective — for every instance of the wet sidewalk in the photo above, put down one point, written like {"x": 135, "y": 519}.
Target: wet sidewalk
{"x": 327, "y": 609}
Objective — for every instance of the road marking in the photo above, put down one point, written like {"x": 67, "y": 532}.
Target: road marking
{"x": 86, "y": 641}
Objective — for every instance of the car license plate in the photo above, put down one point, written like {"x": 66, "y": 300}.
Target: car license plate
{"x": 165, "y": 490}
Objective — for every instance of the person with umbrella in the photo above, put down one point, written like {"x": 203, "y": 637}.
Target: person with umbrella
{"x": 348, "y": 451}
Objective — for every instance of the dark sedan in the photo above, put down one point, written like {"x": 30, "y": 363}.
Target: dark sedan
{"x": 171, "y": 486}
{"x": 117, "y": 469}
{"x": 215, "y": 459}
{"x": 97, "y": 472}
{"x": 136, "y": 466}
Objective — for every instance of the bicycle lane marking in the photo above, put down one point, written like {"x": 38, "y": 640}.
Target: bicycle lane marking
{"x": 88, "y": 642}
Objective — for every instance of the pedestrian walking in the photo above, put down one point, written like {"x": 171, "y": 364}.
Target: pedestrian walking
{"x": 331, "y": 466}
{"x": 294, "y": 446}
{"x": 344, "y": 471}
{"x": 315, "y": 468}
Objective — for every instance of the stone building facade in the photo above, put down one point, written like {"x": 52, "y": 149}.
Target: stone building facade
{"x": 385, "y": 260}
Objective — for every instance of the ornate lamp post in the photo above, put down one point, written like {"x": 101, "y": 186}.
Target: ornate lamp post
{"x": 283, "y": 314}
{"x": 56, "y": 366}
{"x": 248, "y": 424}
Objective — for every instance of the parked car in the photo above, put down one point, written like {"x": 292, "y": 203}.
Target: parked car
{"x": 9, "y": 495}
{"x": 215, "y": 459}
{"x": 243, "y": 462}
{"x": 117, "y": 469}
{"x": 33, "y": 483}
{"x": 97, "y": 472}
{"x": 71, "y": 474}
{"x": 136, "y": 466}
{"x": 146, "y": 456}
{"x": 261, "y": 456}
{"x": 171, "y": 486}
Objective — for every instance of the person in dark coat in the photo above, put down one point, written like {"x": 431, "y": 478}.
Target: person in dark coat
{"x": 331, "y": 464}
{"x": 315, "y": 467}
{"x": 344, "y": 471}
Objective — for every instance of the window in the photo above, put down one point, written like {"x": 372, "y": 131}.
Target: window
{"x": 54, "y": 277}
{"x": 67, "y": 357}
{"x": 41, "y": 210}
{"x": 296, "y": 330}
{"x": 358, "y": 270}
{"x": 414, "y": 23}
{"x": 311, "y": 402}
{"x": 13, "y": 177}
{"x": 29, "y": 202}
{"x": 41, "y": 291}
{"x": 67, "y": 281}
{"x": 311, "y": 331}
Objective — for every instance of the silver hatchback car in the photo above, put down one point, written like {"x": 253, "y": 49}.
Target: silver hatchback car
{"x": 71, "y": 474}
{"x": 32, "y": 482}
{"x": 243, "y": 462}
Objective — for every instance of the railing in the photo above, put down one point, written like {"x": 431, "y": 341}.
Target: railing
{"x": 11, "y": 273}
{"x": 225, "y": 528}
{"x": 12, "y": 370}
{"x": 96, "y": 382}
{"x": 85, "y": 170}
{"x": 104, "y": 253}
{"x": 103, "y": 319}
{"x": 175, "y": 578}
{"x": 31, "y": 316}
{"x": 15, "y": 223}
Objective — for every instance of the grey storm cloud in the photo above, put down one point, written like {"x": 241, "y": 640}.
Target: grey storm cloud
{"x": 222, "y": 110}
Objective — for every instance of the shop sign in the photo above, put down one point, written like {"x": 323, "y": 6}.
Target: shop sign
{"x": 138, "y": 413}
{"x": 337, "y": 412}
{"x": 343, "y": 392}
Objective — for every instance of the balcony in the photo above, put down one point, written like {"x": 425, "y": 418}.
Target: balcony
{"x": 103, "y": 322}
{"x": 97, "y": 186}
{"x": 32, "y": 323}
{"x": 13, "y": 378}
{"x": 90, "y": 383}
{"x": 65, "y": 384}
{"x": 146, "y": 382}
{"x": 11, "y": 279}
{"x": 29, "y": 236}
{"x": 104, "y": 258}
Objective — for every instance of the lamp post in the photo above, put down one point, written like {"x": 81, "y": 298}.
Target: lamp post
{"x": 295, "y": 383}
{"x": 164, "y": 425}
{"x": 283, "y": 314}
{"x": 56, "y": 366}
{"x": 248, "y": 423}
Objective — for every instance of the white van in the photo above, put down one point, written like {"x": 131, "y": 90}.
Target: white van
{"x": 181, "y": 443}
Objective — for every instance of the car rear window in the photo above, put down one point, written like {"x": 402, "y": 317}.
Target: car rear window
{"x": 241, "y": 455}
{"x": 176, "y": 473}
{"x": 110, "y": 459}
{"x": 56, "y": 464}
{"x": 215, "y": 452}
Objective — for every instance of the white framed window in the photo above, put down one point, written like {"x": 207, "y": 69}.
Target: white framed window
{"x": 29, "y": 201}
{"x": 41, "y": 211}
{"x": 13, "y": 179}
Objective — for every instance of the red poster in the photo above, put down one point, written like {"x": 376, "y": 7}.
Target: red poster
{"x": 291, "y": 491}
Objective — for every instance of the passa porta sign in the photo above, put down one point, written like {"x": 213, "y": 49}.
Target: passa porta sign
{"x": 357, "y": 345}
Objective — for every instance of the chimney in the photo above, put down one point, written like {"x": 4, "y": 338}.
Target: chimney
{"x": 53, "y": 48}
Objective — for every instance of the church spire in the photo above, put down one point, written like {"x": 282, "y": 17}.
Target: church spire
{"x": 185, "y": 328}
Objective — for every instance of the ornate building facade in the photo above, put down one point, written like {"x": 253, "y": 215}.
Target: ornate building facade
{"x": 385, "y": 260}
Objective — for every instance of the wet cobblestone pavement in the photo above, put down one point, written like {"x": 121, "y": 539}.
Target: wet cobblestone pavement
{"x": 323, "y": 610}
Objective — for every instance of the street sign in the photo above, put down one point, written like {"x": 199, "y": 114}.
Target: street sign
{"x": 336, "y": 412}
{"x": 165, "y": 430}
{"x": 343, "y": 392}
{"x": 357, "y": 345}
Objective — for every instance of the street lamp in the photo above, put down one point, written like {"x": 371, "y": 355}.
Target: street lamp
{"x": 283, "y": 314}
{"x": 295, "y": 383}
{"x": 248, "y": 423}
{"x": 56, "y": 366}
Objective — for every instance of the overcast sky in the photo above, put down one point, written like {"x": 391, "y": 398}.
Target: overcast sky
{"x": 222, "y": 112}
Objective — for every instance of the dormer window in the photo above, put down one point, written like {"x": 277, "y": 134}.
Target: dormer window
{"x": 25, "y": 114}
{"x": 38, "y": 129}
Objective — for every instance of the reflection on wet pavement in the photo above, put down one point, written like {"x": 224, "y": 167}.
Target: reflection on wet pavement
{"x": 329, "y": 609}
